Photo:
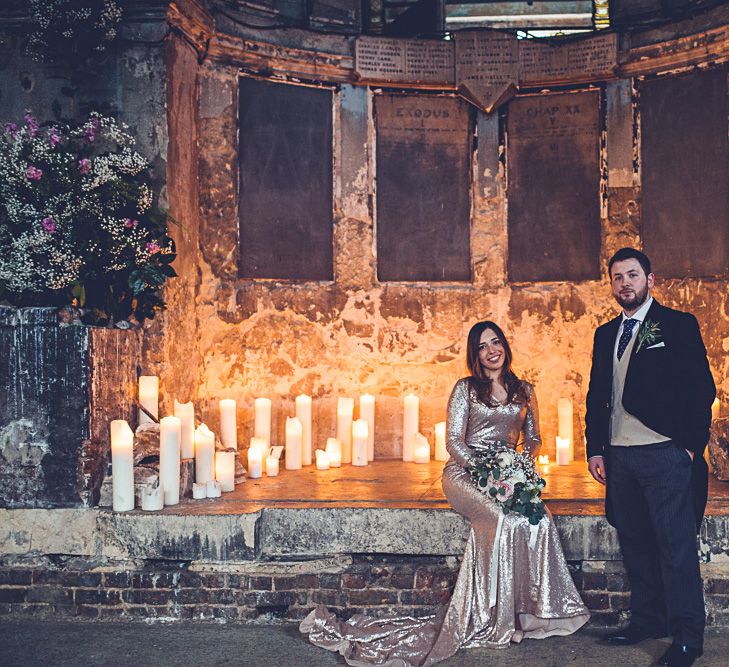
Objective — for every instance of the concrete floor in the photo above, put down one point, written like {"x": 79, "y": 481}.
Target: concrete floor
{"x": 31, "y": 643}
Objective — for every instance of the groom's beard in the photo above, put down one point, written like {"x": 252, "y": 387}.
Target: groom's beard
{"x": 633, "y": 301}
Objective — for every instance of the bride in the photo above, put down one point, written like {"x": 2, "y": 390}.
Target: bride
{"x": 513, "y": 582}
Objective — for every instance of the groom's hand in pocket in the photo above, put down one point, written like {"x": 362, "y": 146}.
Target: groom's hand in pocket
{"x": 596, "y": 466}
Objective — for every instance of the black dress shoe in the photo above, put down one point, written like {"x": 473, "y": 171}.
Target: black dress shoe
{"x": 632, "y": 634}
{"x": 680, "y": 656}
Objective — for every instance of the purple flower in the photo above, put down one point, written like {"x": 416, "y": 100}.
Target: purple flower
{"x": 33, "y": 173}
{"x": 32, "y": 123}
{"x": 90, "y": 133}
{"x": 53, "y": 137}
{"x": 152, "y": 247}
{"x": 49, "y": 225}
{"x": 130, "y": 224}
{"x": 96, "y": 123}
{"x": 84, "y": 165}
{"x": 11, "y": 129}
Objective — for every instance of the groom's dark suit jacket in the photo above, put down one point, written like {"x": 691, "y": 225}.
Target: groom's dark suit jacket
{"x": 669, "y": 388}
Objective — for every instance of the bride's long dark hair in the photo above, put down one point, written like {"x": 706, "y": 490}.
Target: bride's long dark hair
{"x": 480, "y": 382}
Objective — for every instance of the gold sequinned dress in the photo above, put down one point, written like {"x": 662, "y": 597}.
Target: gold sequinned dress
{"x": 513, "y": 582}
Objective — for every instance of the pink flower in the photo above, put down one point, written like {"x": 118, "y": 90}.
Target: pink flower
{"x": 90, "y": 133}
{"x": 12, "y": 130}
{"x": 33, "y": 173}
{"x": 504, "y": 490}
{"x": 84, "y": 165}
{"x": 53, "y": 137}
{"x": 152, "y": 247}
{"x": 32, "y": 124}
{"x": 49, "y": 225}
{"x": 129, "y": 223}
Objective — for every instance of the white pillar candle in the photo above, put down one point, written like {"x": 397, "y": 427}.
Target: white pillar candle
{"x": 409, "y": 426}
{"x": 715, "y": 409}
{"x": 303, "y": 414}
{"x": 255, "y": 462}
{"x": 272, "y": 466}
{"x": 322, "y": 460}
{"x": 563, "y": 451}
{"x": 225, "y": 470}
{"x": 543, "y": 461}
{"x": 334, "y": 451}
{"x": 152, "y": 498}
{"x": 359, "y": 443}
{"x": 122, "y": 466}
{"x": 421, "y": 451}
{"x": 262, "y": 446}
{"x": 441, "y": 453}
{"x": 367, "y": 412}
{"x": 199, "y": 491}
{"x": 262, "y": 419}
{"x": 186, "y": 414}
{"x": 564, "y": 423}
{"x": 228, "y": 424}
{"x": 204, "y": 454}
{"x": 213, "y": 489}
{"x": 148, "y": 397}
{"x": 169, "y": 459}
{"x": 345, "y": 412}
{"x": 294, "y": 432}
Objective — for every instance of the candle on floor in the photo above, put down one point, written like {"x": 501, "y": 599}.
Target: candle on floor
{"x": 122, "y": 466}
{"x": 334, "y": 451}
{"x": 441, "y": 453}
{"x": 563, "y": 451}
{"x": 199, "y": 491}
{"x": 345, "y": 411}
{"x": 293, "y": 443}
{"x": 148, "y": 397}
{"x": 409, "y": 426}
{"x": 255, "y": 462}
{"x": 421, "y": 451}
{"x": 543, "y": 461}
{"x": 262, "y": 419}
{"x": 169, "y": 459}
{"x": 272, "y": 466}
{"x": 359, "y": 442}
{"x": 228, "y": 424}
{"x": 303, "y": 414}
{"x": 715, "y": 409}
{"x": 213, "y": 489}
{"x": 152, "y": 498}
{"x": 322, "y": 460}
{"x": 225, "y": 470}
{"x": 367, "y": 412}
{"x": 185, "y": 412}
{"x": 564, "y": 423}
{"x": 204, "y": 454}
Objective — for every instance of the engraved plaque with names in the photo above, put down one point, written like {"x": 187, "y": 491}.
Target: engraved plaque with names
{"x": 404, "y": 60}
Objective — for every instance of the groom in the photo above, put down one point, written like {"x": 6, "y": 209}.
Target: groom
{"x": 647, "y": 423}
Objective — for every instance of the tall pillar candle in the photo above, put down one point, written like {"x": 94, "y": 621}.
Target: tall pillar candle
{"x": 225, "y": 470}
{"x": 122, "y": 466}
{"x": 564, "y": 423}
{"x": 345, "y": 410}
{"x": 303, "y": 414}
{"x": 228, "y": 424}
{"x": 359, "y": 442}
{"x": 367, "y": 412}
{"x": 411, "y": 406}
{"x": 186, "y": 414}
{"x": 148, "y": 397}
{"x": 204, "y": 454}
{"x": 293, "y": 443}
{"x": 169, "y": 459}
{"x": 441, "y": 453}
{"x": 262, "y": 419}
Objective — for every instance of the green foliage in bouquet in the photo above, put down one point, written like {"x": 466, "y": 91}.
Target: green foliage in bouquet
{"x": 77, "y": 220}
{"x": 511, "y": 480}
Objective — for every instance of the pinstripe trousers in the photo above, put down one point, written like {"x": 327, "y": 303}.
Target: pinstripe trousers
{"x": 650, "y": 491}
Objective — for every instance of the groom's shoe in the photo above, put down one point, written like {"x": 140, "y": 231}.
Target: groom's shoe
{"x": 679, "y": 655}
{"x": 632, "y": 634}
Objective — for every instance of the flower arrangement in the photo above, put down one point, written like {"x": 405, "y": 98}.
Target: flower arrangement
{"x": 63, "y": 27}
{"x": 77, "y": 220}
{"x": 511, "y": 480}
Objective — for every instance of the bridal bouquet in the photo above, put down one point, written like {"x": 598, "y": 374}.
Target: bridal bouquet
{"x": 511, "y": 480}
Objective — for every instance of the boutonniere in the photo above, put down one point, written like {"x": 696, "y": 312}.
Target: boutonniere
{"x": 649, "y": 333}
